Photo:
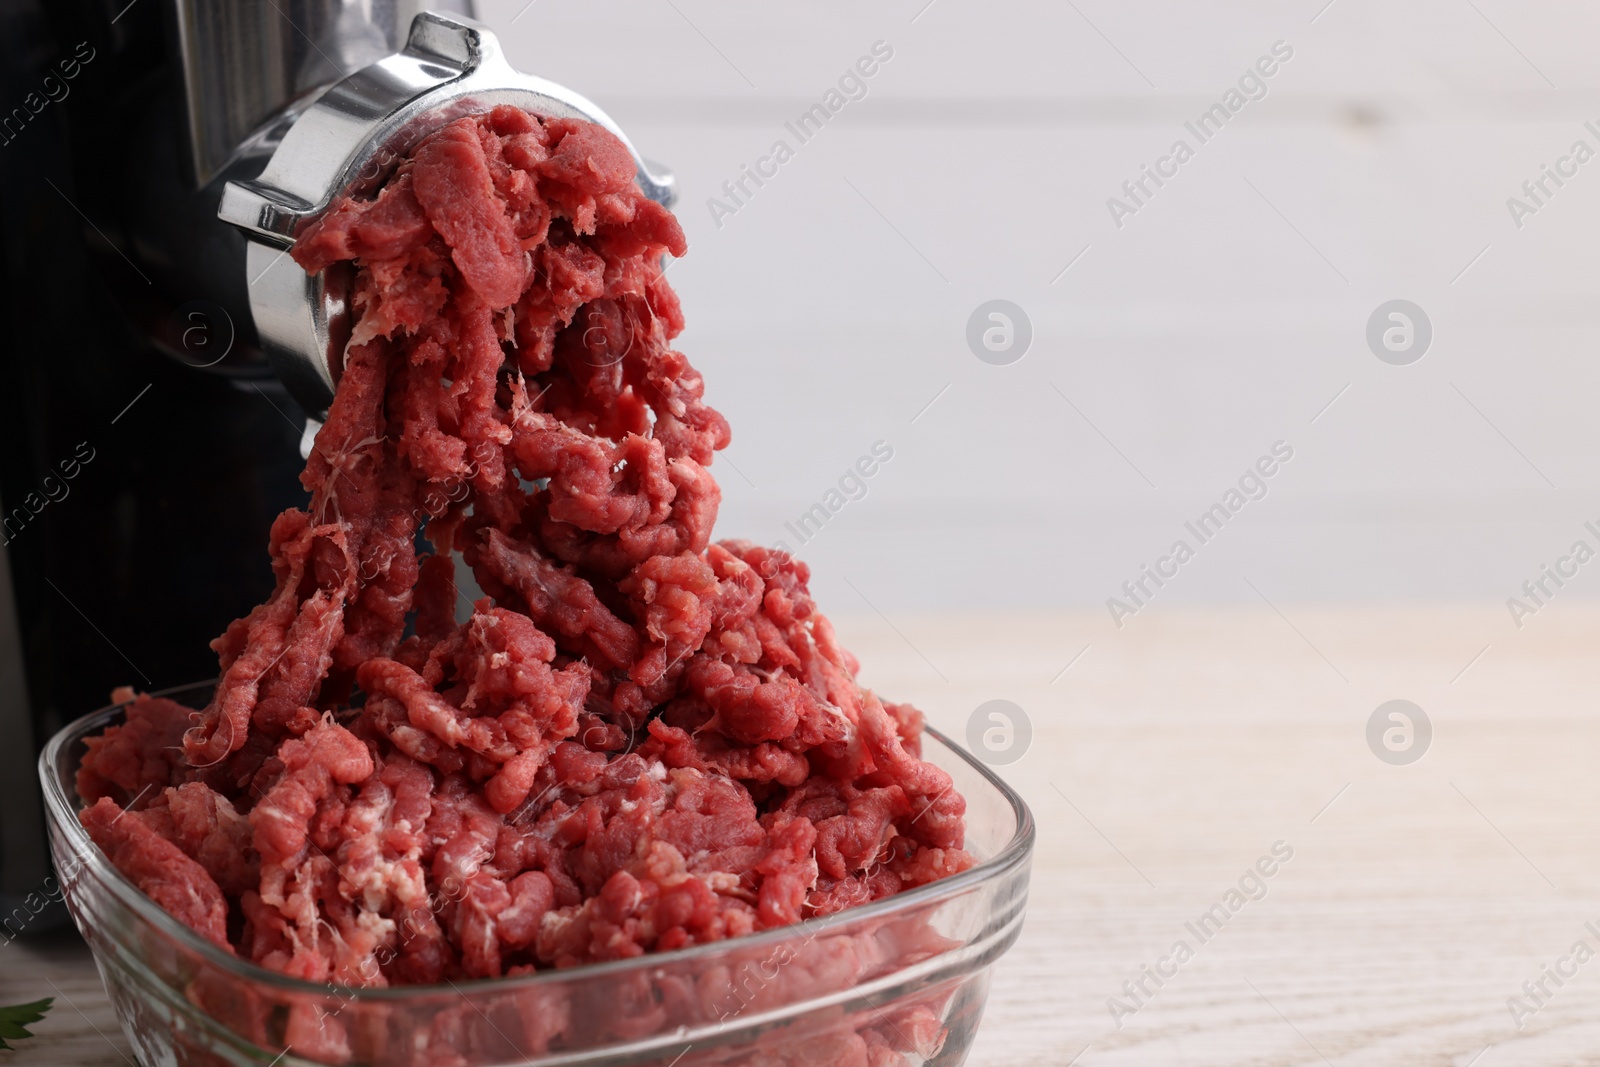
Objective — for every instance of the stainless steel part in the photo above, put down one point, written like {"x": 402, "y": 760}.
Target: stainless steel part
{"x": 242, "y": 61}
{"x": 347, "y": 141}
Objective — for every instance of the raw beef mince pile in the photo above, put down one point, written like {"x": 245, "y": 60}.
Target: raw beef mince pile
{"x": 639, "y": 740}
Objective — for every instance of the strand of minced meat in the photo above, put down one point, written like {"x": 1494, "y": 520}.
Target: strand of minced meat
{"x": 642, "y": 741}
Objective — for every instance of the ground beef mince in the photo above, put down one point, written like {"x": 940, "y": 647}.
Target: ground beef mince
{"x": 639, "y": 740}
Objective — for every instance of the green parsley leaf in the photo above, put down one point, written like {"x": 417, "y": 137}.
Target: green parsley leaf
{"x": 13, "y": 1020}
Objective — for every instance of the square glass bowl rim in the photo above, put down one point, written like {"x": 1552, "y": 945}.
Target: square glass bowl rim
{"x": 64, "y": 815}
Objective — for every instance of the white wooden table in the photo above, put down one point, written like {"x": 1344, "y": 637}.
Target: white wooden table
{"x": 1170, "y": 757}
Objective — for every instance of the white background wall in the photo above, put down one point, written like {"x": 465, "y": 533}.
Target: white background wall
{"x": 1221, "y": 318}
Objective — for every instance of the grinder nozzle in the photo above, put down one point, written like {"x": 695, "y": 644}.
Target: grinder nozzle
{"x": 346, "y": 142}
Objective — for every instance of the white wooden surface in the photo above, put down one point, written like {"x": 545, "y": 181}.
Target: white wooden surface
{"x": 1167, "y": 760}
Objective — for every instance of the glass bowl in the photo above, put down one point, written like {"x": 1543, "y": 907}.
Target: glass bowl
{"x": 900, "y": 982}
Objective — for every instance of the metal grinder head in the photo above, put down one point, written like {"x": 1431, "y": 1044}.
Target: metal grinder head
{"x": 345, "y": 142}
